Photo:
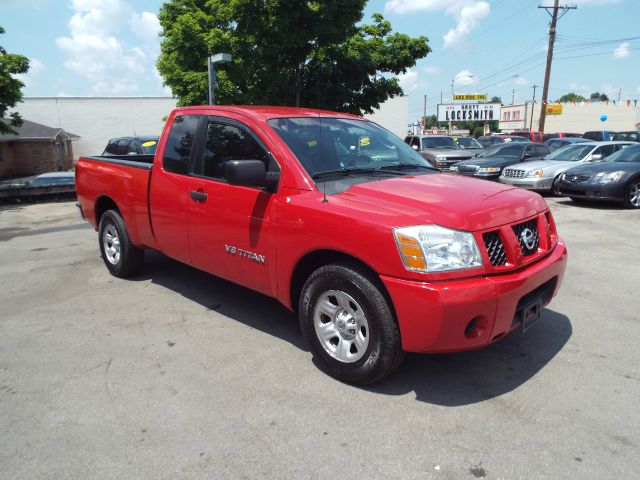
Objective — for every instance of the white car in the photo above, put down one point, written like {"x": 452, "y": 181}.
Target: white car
{"x": 541, "y": 175}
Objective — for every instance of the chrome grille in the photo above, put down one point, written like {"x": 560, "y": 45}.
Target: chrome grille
{"x": 577, "y": 178}
{"x": 528, "y": 236}
{"x": 467, "y": 168}
{"x": 513, "y": 173}
{"x": 495, "y": 248}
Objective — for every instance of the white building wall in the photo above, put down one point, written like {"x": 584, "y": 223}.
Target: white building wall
{"x": 393, "y": 115}
{"x": 97, "y": 119}
{"x": 583, "y": 118}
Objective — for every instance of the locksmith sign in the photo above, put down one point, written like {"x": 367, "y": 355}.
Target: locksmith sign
{"x": 462, "y": 112}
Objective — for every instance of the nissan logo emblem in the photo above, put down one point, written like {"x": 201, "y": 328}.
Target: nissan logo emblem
{"x": 528, "y": 238}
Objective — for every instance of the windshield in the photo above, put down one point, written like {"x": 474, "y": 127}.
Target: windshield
{"x": 340, "y": 144}
{"x": 629, "y": 154}
{"x": 626, "y": 136}
{"x": 468, "y": 142}
{"x": 438, "y": 142}
{"x": 502, "y": 150}
{"x": 570, "y": 153}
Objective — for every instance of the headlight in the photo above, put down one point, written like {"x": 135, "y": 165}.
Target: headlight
{"x": 535, "y": 173}
{"x": 432, "y": 248}
{"x": 608, "y": 177}
{"x": 453, "y": 168}
{"x": 489, "y": 170}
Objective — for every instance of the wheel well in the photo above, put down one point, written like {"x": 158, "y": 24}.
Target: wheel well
{"x": 102, "y": 205}
{"x": 314, "y": 260}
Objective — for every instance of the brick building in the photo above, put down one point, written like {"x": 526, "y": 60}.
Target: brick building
{"x": 35, "y": 149}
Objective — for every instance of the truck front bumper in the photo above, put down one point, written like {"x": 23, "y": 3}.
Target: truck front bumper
{"x": 467, "y": 314}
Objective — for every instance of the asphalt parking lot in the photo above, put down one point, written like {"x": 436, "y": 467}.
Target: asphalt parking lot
{"x": 178, "y": 374}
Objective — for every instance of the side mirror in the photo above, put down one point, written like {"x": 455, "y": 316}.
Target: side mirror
{"x": 250, "y": 173}
{"x": 595, "y": 156}
{"x": 527, "y": 155}
{"x": 415, "y": 147}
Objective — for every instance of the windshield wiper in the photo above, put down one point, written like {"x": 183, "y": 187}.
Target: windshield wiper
{"x": 343, "y": 172}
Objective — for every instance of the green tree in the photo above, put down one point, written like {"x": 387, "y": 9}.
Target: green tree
{"x": 496, "y": 100}
{"x": 10, "y": 87}
{"x": 597, "y": 96}
{"x": 570, "y": 97}
{"x": 285, "y": 52}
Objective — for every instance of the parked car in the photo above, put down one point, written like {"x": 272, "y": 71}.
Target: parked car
{"x": 440, "y": 150}
{"x": 556, "y": 143}
{"x": 377, "y": 257}
{"x": 144, "y": 145}
{"x": 633, "y": 136}
{"x": 598, "y": 135}
{"x": 549, "y": 136}
{"x": 39, "y": 185}
{"x": 617, "y": 178}
{"x": 489, "y": 164}
{"x": 469, "y": 144}
{"x": 533, "y": 136}
{"x": 488, "y": 140}
{"x": 541, "y": 175}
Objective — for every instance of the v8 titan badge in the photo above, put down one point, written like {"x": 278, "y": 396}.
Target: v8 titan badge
{"x": 230, "y": 249}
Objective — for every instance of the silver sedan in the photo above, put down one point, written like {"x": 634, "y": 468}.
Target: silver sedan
{"x": 541, "y": 175}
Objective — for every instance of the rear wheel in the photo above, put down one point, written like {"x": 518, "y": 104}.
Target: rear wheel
{"x": 349, "y": 325}
{"x": 120, "y": 256}
{"x": 632, "y": 194}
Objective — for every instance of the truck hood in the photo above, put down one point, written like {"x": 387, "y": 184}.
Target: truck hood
{"x": 447, "y": 200}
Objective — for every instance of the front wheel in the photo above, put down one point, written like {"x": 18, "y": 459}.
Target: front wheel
{"x": 121, "y": 257}
{"x": 348, "y": 324}
{"x": 632, "y": 195}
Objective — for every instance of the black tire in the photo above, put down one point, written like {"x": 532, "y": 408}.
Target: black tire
{"x": 578, "y": 199}
{"x": 633, "y": 186}
{"x": 130, "y": 258}
{"x": 554, "y": 187}
{"x": 383, "y": 352}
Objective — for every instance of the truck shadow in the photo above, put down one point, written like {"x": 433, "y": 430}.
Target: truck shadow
{"x": 454, "y": 379}
{"x": 229, "y": 299}
{"x": 458, "y": 379}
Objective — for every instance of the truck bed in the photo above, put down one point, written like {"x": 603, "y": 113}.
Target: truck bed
{"x": 105, "y": 182}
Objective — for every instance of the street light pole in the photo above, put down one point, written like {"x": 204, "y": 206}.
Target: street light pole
{"x": 211, "y": 73}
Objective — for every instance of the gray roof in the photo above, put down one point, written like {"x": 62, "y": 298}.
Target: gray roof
{"x": 35, "y": 131}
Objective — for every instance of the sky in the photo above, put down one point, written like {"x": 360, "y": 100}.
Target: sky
{"x": 498, "y": 47}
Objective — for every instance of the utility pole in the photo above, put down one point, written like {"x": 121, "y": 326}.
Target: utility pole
{"x": 552, "y": 39}
{"x": 424, "y": 116}
{"x": 533, "y": 106}
{"x": 619, "y": 94}
{"x": 513, "y": 96}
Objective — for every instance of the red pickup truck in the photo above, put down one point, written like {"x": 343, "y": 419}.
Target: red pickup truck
{"x": 338, "y": 219}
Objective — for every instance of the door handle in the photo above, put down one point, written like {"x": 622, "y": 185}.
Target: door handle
{"x": 198, "y": 196}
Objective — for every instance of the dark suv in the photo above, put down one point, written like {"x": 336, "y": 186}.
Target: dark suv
{"x": 145, "y": 145}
